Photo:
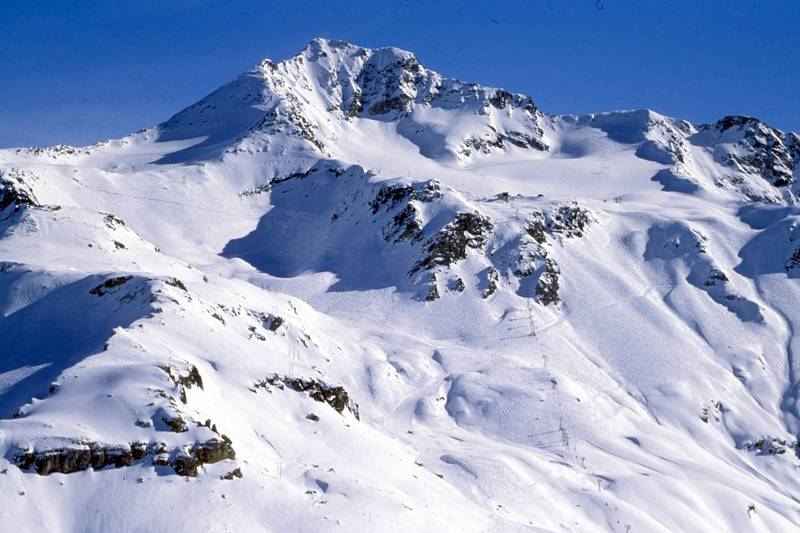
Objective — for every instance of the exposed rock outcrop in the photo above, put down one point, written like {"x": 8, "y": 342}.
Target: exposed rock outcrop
{"x": 534, "y": 256}
{"x": 183, "y": 380}
{"x": 335, "y": 396}
{"x": 494, "y": 139}
{"x": 758, "y": 149}
{"x": 390, "y": 195}
{"x": 565, "y": 220}
{"x": 406, "y": 224}
{"x": 492, "y": 281}
{"x": 80, "y": 456}
{"x": 14, "y": 190}
{"x": 109, "y": 284}
{"x": 793, "y": 263}
{"x": 450, "y": 244}
{"x": 771, "y": 445}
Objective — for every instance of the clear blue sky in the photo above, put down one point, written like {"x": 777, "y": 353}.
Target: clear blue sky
{"x": 77, "y": 71}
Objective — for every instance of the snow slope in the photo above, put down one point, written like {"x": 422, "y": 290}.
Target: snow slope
{"x": 345, "y": 292}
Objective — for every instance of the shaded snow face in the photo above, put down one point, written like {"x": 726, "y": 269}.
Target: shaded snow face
{"x": 345, "y": 291}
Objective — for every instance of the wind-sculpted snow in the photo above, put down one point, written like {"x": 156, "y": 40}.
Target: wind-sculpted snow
{"x": 676, "y": 241}
{"x": 345, "y": 292}
{"x": 774, "y": 248}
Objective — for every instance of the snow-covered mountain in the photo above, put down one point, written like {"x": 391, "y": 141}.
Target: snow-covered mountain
{"x": 345, "y": 292}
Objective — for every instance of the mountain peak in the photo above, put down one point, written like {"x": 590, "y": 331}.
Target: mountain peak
{"x": 322, "y": 47}
{"x": 308, "y": 101}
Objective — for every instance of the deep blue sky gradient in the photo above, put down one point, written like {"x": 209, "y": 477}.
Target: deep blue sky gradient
{"x": 78, "y": 71}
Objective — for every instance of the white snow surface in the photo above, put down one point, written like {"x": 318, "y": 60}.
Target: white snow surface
{"x": 657, "y": 391}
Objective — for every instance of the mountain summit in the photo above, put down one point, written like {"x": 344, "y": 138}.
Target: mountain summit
{"x": 322, "y": 92}
{"x": 345, "y": 291}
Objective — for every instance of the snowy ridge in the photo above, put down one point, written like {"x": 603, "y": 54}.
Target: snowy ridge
{"x": 346, "y": 292}
{"x": 317, "y": 95}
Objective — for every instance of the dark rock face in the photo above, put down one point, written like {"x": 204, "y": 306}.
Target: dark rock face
{"x": 185, "y": 464}
{"x": 113, "y": 222}
{"x": 74, "y": 459}
{"x": 457, "y": 285}
{"x": 502, "y": 99}
{"x": 214, "y": 450}
{"x": 176, "y": 423}
{"x": 768, "y": 152}
{"x": 715, "y": 277}
{"x": 275, "y": 322}
{"x": 53, "y": 151}
{"x": 433, "y": 290}
{"x": 268, "y": 321}
{"x": 78, "y": 457}
{"x": 523, "y": 140}
{"x": 184, "y": 380}
{"x": 450, "y": 244}
{"x": 530, "y": 257}
{"x": 771, "y": 446}
{"x": 14, "y": 191}
{"x": 492, "y": 280}
{"x": 793, "y": 263}
{"x": 335, "y": 396}
{"x": 138, "y": 450}
{"x": 390, "y": 195}
{"x": 109, "y": 284}
{"x": 547, "y": 286}
{"x": 567, "y": 220}
{"x": 482, "y": 144}
{"x": 571, "y": 220}
{"x": 537, "y": 230}
{"x": 280, "y": 119}
{"x": 472, "y": 230}
{"x": 406, "y": 223}
{"x": 498, "y": 140}
{"x": 64, "y": 460}
{"x": 391, "y": 88}
{"x": 563, "y": 221}
{"x": 355, "y": 106}
{"x": 235, "y": 473}
{"x": 397, "y": 103}
{"x": 14, "y": 197}
{"x": 167, "y": 418}
{"x": 188, "y": 379}
{"x": 792, "y": 141}
{"x": 175, "y": 282}
{"x": 533, "y": 260}
{"x": 282, "y": 179}
{"x": 119, "y": 456}
{"x": 668, "y": 152}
